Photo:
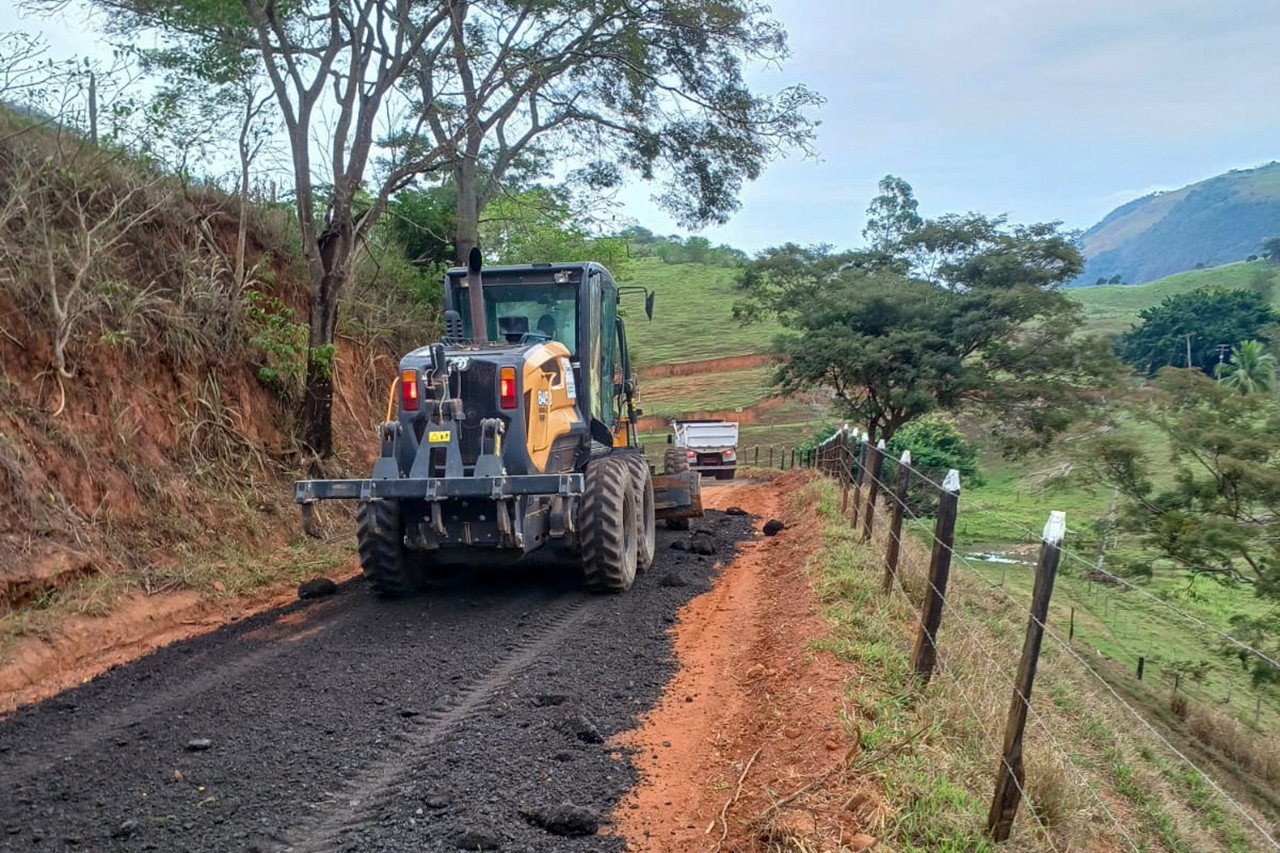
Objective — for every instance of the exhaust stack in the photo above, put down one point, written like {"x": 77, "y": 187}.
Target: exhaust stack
{"x": 475, "y": 295}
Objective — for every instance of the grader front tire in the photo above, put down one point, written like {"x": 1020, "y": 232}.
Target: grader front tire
{"x": 647, "y": 544}
{"x": 676, "y": 461}
{"x": 380, "y": 537}
{"x": 608, "y": 520}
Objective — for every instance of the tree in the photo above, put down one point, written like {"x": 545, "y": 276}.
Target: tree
{"x": 1210, "y": 316}
{"x": 892, "y": 214}
{"x": 1115, "y": 279}
{"x": 1252, "y": 370}
{"x": 1271, "y": 249}
{"x": 333, "y": 69}
{"x": 987, "y": 328}
{"x": 653, "y": 88}
{"x": 1219, "y": 514}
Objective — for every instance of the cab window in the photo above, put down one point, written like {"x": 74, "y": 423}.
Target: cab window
{"x": 527, "y": 313}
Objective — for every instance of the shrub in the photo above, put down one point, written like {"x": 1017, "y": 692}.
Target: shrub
{"x": 937, "y": 443}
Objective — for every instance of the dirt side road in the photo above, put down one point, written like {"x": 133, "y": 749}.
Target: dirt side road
{"x": 434, "y": 724}
{"x": 751, "y": 719}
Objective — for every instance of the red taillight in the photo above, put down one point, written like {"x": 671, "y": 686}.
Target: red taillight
{"x": 693, "y": 457}
{"x": 409, "y": 390}
{"x": 507, "y": 387}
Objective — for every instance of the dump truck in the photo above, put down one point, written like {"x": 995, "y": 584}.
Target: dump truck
{"x": 711, "y": 446}
{"x": 515, "y": 434}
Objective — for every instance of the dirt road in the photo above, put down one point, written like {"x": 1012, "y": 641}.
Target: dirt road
{"x": 453, "y": 720}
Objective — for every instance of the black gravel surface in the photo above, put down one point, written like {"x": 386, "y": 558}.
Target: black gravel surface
{"x": 476, "y": 715}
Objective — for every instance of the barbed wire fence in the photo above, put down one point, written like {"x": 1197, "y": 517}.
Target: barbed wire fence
{"x": 874, "y": 486}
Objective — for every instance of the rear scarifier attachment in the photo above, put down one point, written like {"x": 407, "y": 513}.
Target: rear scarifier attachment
{"x": 676, "y": 461}
{"x": 608, "y": 521}
{"x": 646, "y": 534}
{"x": 380, "y": 536}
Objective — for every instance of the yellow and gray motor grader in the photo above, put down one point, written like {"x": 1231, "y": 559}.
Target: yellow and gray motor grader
{"x": 514, "y": 434}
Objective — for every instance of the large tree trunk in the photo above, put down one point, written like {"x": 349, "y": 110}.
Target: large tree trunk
{"x": 317, "y": 403}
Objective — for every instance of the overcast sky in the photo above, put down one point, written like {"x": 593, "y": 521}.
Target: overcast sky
{"x": 1042, "y": 109}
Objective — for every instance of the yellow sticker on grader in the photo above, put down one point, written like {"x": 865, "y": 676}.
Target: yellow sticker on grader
{"x": 438, "y": 436}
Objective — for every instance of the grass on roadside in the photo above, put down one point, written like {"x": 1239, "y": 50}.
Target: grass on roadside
{"x": 1094, "y": 779}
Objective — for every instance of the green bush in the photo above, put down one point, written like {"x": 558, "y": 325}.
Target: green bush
{"x": 937, "y": 443}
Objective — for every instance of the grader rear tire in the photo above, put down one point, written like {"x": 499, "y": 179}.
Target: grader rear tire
{"x": 676, "y": 461}
{"x": 647, "y": 544}
{"x": 608, "y": 520}
{"x": 380, "y": 537}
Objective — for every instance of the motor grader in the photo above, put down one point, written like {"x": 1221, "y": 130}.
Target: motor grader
{"x": 513, "y": 435}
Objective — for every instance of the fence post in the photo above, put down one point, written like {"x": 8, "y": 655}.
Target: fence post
{"x": 925, "y": 654}
{"x": 1011, "y": 776}
{"x": 756, "y": 463}
{"x": 1141, "y": 665}
{"x": 793, "y": 457}
{"x": 873, "y": 489}
{"x": 771, "y": 456}
{"x": 893, "y": 547}
{"x": 1071, "y": 632}
{"x": 858, "y": 479}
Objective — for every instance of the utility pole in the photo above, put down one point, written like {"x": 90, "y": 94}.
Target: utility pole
{"x": 1222, "y": 352}
{"x": 1189, "y": 336}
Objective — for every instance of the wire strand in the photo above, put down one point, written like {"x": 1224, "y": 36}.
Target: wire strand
{"x": 961, "y": 560}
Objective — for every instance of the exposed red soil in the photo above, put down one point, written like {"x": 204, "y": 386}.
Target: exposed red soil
{"x": 753, "y": 704}
{"x": 748, "y": 415}
{"x": 84, "y": 647}
{"x": 725, "y": 364}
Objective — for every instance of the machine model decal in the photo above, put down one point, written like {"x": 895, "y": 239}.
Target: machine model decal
{"x": 570, "y": 387}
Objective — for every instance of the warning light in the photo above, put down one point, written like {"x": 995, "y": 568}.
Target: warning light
{"x": 409, "y": 389}
{"x": 507, "y": 387}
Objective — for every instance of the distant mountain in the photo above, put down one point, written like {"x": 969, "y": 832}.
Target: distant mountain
{"x": 1213, "y": 222}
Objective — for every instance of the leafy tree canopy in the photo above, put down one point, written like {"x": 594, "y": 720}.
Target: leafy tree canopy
{"x": 1212, "y": 316}
{"x": 947, "y": 313}
{"x": 1220, "y": 515}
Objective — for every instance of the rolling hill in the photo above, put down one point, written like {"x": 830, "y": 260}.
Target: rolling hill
{"x": 1112, "y": 309}
{"x": 1210, "y": 223}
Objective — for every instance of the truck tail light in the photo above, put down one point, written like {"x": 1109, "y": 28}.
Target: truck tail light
{"x": 507, "y": 387}
{"x": 729, "y": 456}
{"x": 409, "y": 390}
{"x": 693, "y": 457}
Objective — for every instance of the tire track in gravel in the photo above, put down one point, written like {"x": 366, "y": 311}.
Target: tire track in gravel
{"x": 188, "y": 688}
{"x": 380, "y": 782}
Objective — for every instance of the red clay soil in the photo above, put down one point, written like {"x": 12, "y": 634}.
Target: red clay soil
{"x": 751, "y": 718}
{"x": 724, "y": 364}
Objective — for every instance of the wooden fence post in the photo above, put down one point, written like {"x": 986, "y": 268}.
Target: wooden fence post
{"x": 1071, "y": 632}
{"x": 1141, "y": 665}
{"x": 893, "y": 547}
{"x": 756, "y": 463}
{"x": 873, "y": 488}
{"x": 793, "y": 457}
{"x": 771, "y": 456}
{"x": 858, "y": 479}
{"x": 925, "y": 654}
{"x": 1011, "y": 775}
